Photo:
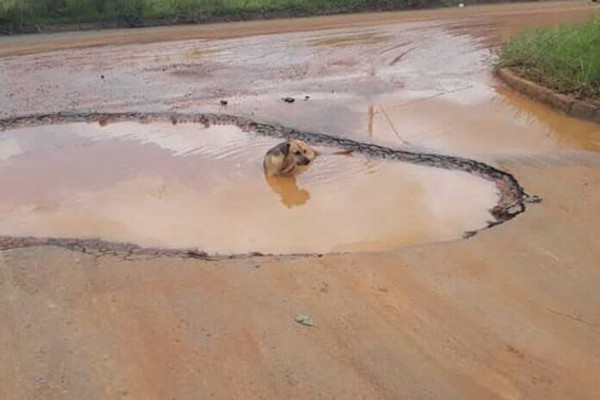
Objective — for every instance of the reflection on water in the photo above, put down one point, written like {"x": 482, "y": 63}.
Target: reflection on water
{"x": 184, "y": 185}
{"x": 371, "y": 116}
{"x": 564, "y": 131}
{"x": 287, "y": 189}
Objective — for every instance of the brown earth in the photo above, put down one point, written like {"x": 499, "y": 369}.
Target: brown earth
{"x": 509, "y": 314}
{"x": 512, "y": 15}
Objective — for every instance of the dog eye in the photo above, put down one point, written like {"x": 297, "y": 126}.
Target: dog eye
{"x": 297, "y": 152}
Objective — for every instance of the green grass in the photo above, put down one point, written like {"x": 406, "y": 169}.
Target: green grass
{"x": 21, "y": 15}
{"x": 565, "y": 58}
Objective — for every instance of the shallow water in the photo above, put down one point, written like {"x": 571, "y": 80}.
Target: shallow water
{"x": 184, "y": 185}
{"x": 423, "y": 86}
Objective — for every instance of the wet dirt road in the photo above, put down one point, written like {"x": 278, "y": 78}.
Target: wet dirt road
{"x": 509, "y": 314}
{"x": 186, "y": 186}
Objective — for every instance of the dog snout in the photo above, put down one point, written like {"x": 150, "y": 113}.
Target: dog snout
{"x": 303, "y": 161}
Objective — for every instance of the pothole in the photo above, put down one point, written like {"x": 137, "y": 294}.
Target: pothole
{"x": 158, "y": 183}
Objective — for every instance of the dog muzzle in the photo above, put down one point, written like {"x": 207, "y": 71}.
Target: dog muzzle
{"x": 303, "y": 161}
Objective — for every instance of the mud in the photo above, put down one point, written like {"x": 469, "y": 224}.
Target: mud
{"x": 512, "y": 195}
{"x": 509, "y": 17}
{"x": 511, "y": 313}
{"x": 154, "y": 198}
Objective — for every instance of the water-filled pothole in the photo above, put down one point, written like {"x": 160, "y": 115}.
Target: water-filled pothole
{"x": 187, "y": 185}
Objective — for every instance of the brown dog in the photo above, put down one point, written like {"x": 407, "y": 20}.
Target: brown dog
{"x": 292, "y": 157}
{"x": 288, "y": 158}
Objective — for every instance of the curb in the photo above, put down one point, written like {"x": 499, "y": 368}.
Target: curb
{"x": 567, "y": 104}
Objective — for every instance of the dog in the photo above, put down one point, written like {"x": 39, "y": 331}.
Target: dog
{"x": 288, "y": 158}
{"x": 292, "y": 157}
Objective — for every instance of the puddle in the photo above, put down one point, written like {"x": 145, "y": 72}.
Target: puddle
{"x": 351, "y": 39}
{"x": 185, "y": 185}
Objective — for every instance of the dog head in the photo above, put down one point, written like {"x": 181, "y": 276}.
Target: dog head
{"x": 288, "y": 158}
{"x": 300, "y": 152}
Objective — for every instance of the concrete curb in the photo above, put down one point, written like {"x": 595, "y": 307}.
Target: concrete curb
{"x": 567, "y": 104}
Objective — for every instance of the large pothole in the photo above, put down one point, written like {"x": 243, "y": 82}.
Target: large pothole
{"x": 170, "y": 185}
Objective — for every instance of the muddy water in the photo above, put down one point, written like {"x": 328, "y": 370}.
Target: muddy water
{"x": 421, "y": 86}
{"x": 188, "y": 186}
{"x": 509, "y": 314}
{"x": 424, "y": 84}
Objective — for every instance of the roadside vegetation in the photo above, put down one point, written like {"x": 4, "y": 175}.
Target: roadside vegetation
{"x": 565, "y": 58}
{"x": 31, "y": 15}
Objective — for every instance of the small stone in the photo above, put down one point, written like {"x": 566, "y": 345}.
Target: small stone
{"x": 224, "y": 102}
{"x": 304, "y": 320}
{"x": 289, "y": 99}
{"x": 583, "y": 110}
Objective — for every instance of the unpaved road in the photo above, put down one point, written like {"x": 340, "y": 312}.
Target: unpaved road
{"x": 509, "y": 314}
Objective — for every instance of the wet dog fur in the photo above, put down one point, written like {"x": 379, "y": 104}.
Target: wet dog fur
{"x": 288, "y": 158}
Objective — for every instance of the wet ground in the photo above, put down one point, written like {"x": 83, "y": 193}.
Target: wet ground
{"x": 186, "y": 186}
{"x": 508, "y": 314}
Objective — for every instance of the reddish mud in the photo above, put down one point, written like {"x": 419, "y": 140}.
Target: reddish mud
{"x": 185, "y": 186}
{"x": 511, "y": 313}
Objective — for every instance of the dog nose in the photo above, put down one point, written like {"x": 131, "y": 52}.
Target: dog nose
{"x": 303, "y": 161}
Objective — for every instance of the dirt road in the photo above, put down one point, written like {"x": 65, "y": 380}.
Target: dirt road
{"x": 549, "y": 13}
{"x": 511, "y": 313}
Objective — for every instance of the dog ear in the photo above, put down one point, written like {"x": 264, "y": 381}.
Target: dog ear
{"x": 285, "y": 148}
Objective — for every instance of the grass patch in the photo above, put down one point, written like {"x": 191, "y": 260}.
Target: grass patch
{"x": 18, "y": 14}
{"x": 565, "y": 58}
{"x": 21, "y": 15}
